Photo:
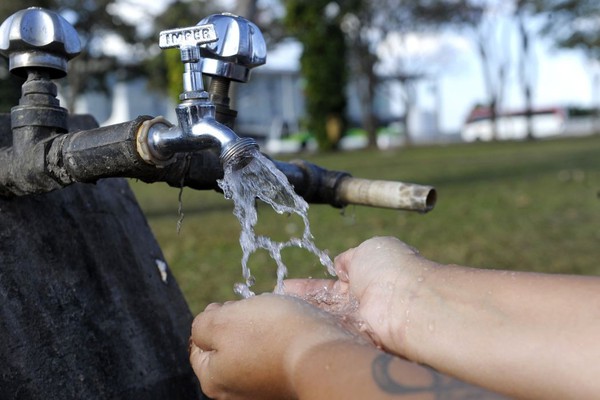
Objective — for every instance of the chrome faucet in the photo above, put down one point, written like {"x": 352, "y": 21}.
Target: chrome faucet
{"x": 197, "y": 127}
{"x": 239, "y": 48}
{"x": 47, "y": 149}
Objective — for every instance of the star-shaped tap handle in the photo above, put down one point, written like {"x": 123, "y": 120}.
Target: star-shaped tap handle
{"x": 239, "y": 48}
{"x": 188, "y": 41}
{"x": 38, "y": 39}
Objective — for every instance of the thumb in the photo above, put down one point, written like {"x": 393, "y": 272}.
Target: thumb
{"x": 342, "y": 264}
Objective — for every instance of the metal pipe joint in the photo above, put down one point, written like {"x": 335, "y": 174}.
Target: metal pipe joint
{"x": 158, "y": 140}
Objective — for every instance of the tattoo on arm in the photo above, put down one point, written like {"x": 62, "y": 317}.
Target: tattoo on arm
{"x": 440, "y": 387}
{"x": 380, "y": 369}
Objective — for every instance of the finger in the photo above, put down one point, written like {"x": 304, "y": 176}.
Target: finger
{"x": 302, "y": 287}
{"x": 199, "y": 325}
{"x": 212, "y": 306}
{"x": 203, "y": 327}
{"x": 341, "y": 264}
{"x": 197, "y": 359}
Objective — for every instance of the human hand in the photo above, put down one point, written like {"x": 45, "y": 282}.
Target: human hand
{"x": 381, "y": 276}
{"x": 250, "y": 348}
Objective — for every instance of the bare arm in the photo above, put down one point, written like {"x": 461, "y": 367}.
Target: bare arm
{"x": 527, "y": 335}
{"x": 523, "y": 334}
{"x": 374, "y": 374}
{"x": 275, "y": 347}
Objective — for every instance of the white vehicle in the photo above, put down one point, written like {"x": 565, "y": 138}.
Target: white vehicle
{"x": 548, "y": 122}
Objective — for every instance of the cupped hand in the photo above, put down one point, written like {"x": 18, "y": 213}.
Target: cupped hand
{"x": 250, "y": 348}
{"x": 380, "y": 277}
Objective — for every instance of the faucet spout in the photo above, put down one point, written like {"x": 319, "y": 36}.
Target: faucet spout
{"x": 197, "y": 130}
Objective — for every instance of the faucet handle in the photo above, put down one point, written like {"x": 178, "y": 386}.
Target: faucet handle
{"x": 239, "y": 48}
{"x": 187, "y": 40}
{"x": 38, "y": 38}
{"x": 192, "y": 36}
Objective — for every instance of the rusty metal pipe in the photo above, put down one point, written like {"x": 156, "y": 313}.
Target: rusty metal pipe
{"x": 387, "y": 194}
{"x": 339, "y": 189}
{"x": 113, "y": 151}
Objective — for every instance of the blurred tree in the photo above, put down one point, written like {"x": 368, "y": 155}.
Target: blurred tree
{"x": 362, "y": 29}
{"x": 96, "y": 21}
{"x": 246, "y": 8}
{"x": 369, "y": 23}
{"x": 572, "y": 23}
{"x": 10, "y": 86}
{"x": 527, "y": 64}
{"x": 165, "y": 69}
{"x": 492, "y": 39}
{"x": 316, "y": 24}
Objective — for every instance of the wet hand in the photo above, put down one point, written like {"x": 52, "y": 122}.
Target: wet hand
{"x": 382, "y": 276}
{"x": 250, "y": 348}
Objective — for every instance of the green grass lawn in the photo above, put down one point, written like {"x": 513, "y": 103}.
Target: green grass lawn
{"x": 523, "y": 206}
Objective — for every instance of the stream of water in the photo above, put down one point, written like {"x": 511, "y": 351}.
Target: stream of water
{"x": 260, "y": 179}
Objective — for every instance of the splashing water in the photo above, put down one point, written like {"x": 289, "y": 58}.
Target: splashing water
{"x": 344, "y": 307}
{"x": 260, "y": 179}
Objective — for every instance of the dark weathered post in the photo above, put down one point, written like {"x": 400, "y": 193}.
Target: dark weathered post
{"x": 88, "y": 308}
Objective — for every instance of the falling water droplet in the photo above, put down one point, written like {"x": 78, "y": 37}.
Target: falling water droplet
{"x": 242, "y": 290}
{"x": 431, "y": 326}
{"x": 260, "y": 179}
{"x": 180, "y": 205}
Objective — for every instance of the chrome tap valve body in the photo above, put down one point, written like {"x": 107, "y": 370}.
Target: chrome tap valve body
{"x": 197, "y": 127}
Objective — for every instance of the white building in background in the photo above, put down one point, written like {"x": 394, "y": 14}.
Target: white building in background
{"x": 128, "y": 100}
{"x": 545, "y": 123}
{"x": 270, "y": 106}
{"x": 280, "y": 82}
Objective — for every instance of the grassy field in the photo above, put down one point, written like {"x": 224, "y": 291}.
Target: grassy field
{"x": 522, "y": 206}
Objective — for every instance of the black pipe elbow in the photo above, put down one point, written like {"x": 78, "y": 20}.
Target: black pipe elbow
{"x": 315, "y": 184}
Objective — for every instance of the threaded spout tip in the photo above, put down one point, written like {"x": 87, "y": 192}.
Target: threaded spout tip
{"x": 239, "y": 152}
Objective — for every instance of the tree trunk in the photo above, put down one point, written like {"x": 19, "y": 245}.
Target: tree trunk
{"x": 246, "y": 9}
{"x": 370, "y": 120}
{"x": 409, "y": 102}
{"x": 526, "y": 71}
{"x": 366, "y": 87}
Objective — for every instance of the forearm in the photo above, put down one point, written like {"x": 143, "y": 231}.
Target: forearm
{"x": 355, "y": 371}
{"x": 527, "y": 335}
